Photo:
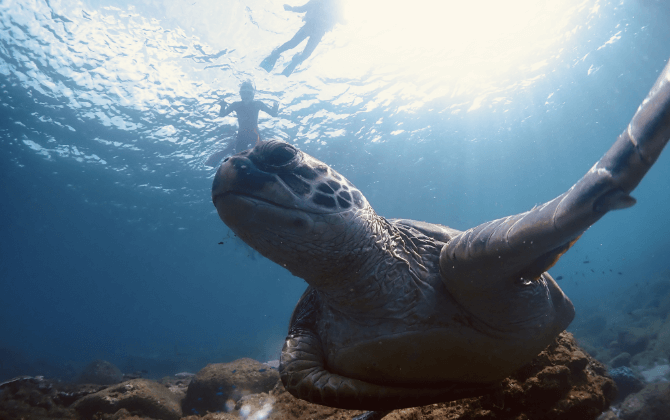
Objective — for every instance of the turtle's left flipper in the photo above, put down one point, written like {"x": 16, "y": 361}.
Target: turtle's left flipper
{"x": 528, "y": 244}
{"x": 304, "y": 373}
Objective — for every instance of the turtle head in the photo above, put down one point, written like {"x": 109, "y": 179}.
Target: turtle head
{"x": 290, "y": 207}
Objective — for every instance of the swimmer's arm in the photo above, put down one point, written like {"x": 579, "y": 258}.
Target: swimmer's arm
{"x": 273, "y": 112}
{"x": 225, "y": 108}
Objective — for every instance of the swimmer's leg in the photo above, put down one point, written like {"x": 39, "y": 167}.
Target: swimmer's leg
{"x": 246, "y": 139}
{"x": 240, "y": 143}
{"x": 215, "y": 158}
{"x": 314, "y": 40}
{"x": 269, "y": 62}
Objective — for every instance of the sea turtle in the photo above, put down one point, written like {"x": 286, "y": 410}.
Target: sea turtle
{"x": 402, "y": 313}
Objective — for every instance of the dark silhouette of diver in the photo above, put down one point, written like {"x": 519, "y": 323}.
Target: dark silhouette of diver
{"x": 320, "y": 17}
{"x": 247, "y": 118}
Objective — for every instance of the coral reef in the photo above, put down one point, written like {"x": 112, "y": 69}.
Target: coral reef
{"x": 100, "y": 372}
{"x": 219, "y": 386}
{"x": 562, "y": 382}
{"x": 635, "y": 345}
{"x": 626, "y": 381}
{"x": 138, "y": 395}
{"x": 652, "y": 403}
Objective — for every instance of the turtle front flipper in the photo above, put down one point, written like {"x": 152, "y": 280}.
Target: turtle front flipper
{"x": 304, "y": 373}
{"x": 523, "y": 246}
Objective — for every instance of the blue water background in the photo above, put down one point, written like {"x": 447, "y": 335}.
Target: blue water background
{"x": 110, "y": 244}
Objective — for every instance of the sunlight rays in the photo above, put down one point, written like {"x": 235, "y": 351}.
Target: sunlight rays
{"x": 456, "y": 47}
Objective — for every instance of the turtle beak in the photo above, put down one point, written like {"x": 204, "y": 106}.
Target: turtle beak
{"x": 237, "y": 187}
{"x": 238, "y": 174}
{"x": 224, "y": 179}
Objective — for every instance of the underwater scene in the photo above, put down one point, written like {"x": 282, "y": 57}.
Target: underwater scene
{"x": 177, "y": 177}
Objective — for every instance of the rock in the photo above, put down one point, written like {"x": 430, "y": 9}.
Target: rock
{"x": 663, "y": 339}
{"x": 100, "y": 372}
{"x": 657, "y": 373}
{"x": 256, "y": 406}
{"x": 633, "y": 340}
{"x": 622, "y": 359}
{"x": 178, "y": 384}
{"x": 626, "y": 381}
{"x": 29, "y": 397}
{"x": 218, "y": 386}
{"x": 287, "y": 407}
{"x": 652, "y": 403}
{"x": 608, "y": 415}
{"x": 645, "y": 359}
{"x": 140, "y": 396}
{"x": 561, "y": 383}
{"x": 66, "y": 394}
{"x": 214, "y": 416}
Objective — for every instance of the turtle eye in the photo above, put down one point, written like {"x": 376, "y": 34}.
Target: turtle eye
{"x": 275, "y": 155}
{"x": 280, "y": 156}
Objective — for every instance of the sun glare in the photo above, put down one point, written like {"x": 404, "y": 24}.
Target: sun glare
{"x": 463, "y": 44}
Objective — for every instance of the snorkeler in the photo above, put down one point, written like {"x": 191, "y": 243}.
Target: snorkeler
{"x": 320, "y": 17}
{"x": 246, "y": 110}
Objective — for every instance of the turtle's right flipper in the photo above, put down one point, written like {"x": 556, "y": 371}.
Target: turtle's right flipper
{"x": 527, "y": 244}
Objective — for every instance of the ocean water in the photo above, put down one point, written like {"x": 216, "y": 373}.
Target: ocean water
{"x": 452, "y": 114}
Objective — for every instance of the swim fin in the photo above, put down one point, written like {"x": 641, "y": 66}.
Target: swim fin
{"x": 289, "y": 69}
{"x": 215, "y": 158}
{"x": 269, "y": 62}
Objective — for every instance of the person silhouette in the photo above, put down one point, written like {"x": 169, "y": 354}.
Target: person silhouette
{"x": 247, "y": 118}
{"x": 320, "y": 17}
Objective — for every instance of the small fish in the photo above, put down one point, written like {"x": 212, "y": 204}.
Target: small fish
{"x": 559, "y": 278}
{"x": 220, "y": 243}
{"x": 586, "y": 262}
